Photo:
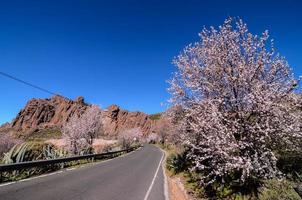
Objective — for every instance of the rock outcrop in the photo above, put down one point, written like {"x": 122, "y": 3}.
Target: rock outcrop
{"x": 40, "y": 114}
{"x": 116, "y": 120}
{"x": 47, "y": 113}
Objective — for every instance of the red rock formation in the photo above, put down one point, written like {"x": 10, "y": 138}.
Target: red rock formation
{"x": 39, "y": 114}
{"x": 117, "y": 120}
{"x": 47, "y": 113}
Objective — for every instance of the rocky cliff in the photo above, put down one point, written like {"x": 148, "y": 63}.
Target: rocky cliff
{"x": 117, "y": 120}
{"x": 47, "y": 113}
{"x": 39, "y": 114}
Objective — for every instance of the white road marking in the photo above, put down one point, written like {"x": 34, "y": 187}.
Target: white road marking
{"x": 166, "y": 187}
{"x": 153, "y": 180}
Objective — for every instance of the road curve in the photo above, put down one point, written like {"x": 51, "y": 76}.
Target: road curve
{"x": 130, "y": 177}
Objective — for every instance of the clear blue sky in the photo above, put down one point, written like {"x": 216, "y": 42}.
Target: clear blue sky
{"x": 120, "y": 51}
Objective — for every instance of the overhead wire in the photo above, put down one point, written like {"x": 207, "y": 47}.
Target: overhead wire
{"x": 27, "y": 83}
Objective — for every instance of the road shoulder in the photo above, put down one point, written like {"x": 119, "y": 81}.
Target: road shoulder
{"x": 174, "y": 187}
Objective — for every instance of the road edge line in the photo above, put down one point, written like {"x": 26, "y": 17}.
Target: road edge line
{"x": 166, "y": 187}
{"x": 153, "y": 180}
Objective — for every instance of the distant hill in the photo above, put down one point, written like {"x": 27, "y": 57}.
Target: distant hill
{"x": 50, "y": 114}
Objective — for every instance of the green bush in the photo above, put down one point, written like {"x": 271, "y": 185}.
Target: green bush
{"x": 177, "y": 162}
{"x": 155, "y": 116}
{"x": 278, "y": 190}
{"x": 290, "y": 163}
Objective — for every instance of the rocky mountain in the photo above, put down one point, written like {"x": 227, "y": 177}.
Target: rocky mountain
{"x": 116, "y": 120}
{"x": 47, "y": 113}
{"x": 52, "y": 113}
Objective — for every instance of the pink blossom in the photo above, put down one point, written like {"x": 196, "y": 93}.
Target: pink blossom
{"x": 80, "y": 131}
{"x": 235, "y": 95}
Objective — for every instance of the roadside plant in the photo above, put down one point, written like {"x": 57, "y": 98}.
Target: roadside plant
{"x": 278, "y": 189}
{"x": 237, "y": 103}
{"x": 20, "y": 153}
{"x": 30, "y": 151}
{"x": 80, "y": 131}
{"x": 130, "y": 137}
{"x": 50, "y": 152}
{"x": 152, "y": 138}
{"x": 177, "y": 162}
{"x": 164, "y": 129}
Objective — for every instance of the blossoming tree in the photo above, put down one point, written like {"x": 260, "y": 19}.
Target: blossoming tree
{"x": 130, "y": 136}
{"x": 152, "y": 138}
{"x": 237, "y": 103}
{"x": 80, "y": 131}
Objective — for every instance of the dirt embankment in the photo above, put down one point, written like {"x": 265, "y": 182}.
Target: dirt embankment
{"x": 176, "y": 189}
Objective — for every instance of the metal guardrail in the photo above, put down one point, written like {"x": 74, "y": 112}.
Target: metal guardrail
{"x": 41, "y": 163}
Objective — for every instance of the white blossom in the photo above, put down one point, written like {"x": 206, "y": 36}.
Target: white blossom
{"x": 238, "y": 104}
{"x": 130, "y": 136}
{"x": 80, "y": 131}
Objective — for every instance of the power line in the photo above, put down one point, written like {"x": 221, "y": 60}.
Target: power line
{"x": 27, "y": 83}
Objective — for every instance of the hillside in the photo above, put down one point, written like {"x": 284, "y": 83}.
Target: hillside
{"x": 50, "y": 114}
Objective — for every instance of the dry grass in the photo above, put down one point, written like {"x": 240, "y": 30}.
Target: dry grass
{"x": 98, "y": 144}
{"x": 60, "y": 143}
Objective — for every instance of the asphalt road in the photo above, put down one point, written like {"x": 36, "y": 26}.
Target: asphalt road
{"x": 135, "y": 176}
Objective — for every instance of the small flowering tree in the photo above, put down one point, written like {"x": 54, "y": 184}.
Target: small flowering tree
{"x": 165, "y": 129}
{"x": 80, "y": 131}
{"x": 152, "y": 138}
{"x": 130, "y": 136}
{"x": 235, "y": 96}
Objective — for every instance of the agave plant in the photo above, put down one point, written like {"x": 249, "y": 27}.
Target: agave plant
{"x": 17, "y": 153}
{"x": 50, "y": 152}
{"x": 30, "y": 151}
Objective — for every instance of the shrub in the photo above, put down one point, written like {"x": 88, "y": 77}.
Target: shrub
{"x": 155, "y": 116}
{"x": 177, "y": 162}
{"x": 278, "y": 190}
{"x": 43, "y": 134}
{"x": 290, "y": 163}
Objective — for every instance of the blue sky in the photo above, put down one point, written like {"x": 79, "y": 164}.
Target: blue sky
{"x": 120, "y": 51}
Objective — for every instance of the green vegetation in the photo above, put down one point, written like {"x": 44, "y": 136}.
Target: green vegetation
{"x": 30, "y": 151}
{"x": 176, "y": 162}
{"x": 290, "y": 163}
{"x": 43, "y": 135}
{"x": 271, "y": 189}
{"x": 278, "y": 190}
{"x": 155, "y": 116}
{"x": 236, "y": 111}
